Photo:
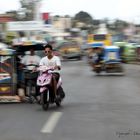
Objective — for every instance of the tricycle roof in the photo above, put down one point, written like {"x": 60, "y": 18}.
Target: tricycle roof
{"x": 111, "y": 47}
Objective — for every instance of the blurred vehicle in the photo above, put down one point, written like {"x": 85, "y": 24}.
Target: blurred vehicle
{"x": 56, "y": 52}
{"x": 129, "y": 54}
{"x": 97, "y": 59}
{"x": 91, "y": 48}
{"x": 138, "y": 52}
{"x": 128, "y": 51}
{"x": 103, "y": 38}
{"x": 109, "y": 60}
{"x": 118, "y": 37}
{"x": 112, "y": 60}
{"x": 122, "y": 46}
{"x": 44, "y": 81}
{"x": 25, "y": 78}
{"x": 70, "y": 50}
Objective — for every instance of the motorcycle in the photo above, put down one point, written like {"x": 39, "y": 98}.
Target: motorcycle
{"x": 98, "y": 67}
{"x": 47, "y": 94}
{"x": 30, "y": 78}
{"x": 109, "y": 61}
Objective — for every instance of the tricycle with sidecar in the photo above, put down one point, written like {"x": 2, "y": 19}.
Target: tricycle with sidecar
{"x": 8, "y": 76}
{"x": 107, "y": 59}
{"x": 112, "y": 61}
{"x": 25, "y": 77}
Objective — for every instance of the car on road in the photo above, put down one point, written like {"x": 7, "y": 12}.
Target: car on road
{"x": 70, "y": 50}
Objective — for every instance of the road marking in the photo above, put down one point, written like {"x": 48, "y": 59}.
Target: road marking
{"x": 51, "y": 123}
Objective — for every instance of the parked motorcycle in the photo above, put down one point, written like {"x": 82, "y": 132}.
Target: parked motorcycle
{"x": 47, "y": 94}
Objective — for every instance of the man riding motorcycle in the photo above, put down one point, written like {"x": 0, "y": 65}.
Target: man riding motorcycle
{"x": 27, "y": 78}
{"x": 50, "y": 60}
{"x": 96, "y": 58}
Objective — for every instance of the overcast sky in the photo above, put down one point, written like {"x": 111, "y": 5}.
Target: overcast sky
{"x": 123, "y": 9}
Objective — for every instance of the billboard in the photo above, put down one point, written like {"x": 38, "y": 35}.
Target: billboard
{"x": 47, "y": 18}
{"x": 25, "y": 26}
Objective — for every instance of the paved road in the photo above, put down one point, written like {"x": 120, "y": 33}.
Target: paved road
{"x": 95, "y": 108}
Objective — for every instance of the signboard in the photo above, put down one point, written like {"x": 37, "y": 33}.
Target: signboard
{"x": 25, "y": 26}
{"x": 4, "y": 19}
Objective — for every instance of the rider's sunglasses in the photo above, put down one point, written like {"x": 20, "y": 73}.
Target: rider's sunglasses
{"x": 47, "y": 51}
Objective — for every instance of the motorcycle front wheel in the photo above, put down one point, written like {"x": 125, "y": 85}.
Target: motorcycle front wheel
{"x": 45, "y": 100}
{"x": 58, "y": 103}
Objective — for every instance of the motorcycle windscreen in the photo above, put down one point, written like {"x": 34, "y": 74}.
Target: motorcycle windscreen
{"x": 44, "y": 79}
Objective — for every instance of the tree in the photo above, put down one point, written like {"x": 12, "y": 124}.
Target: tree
{"x": 83, "y": 17}
{"x": 120, "y": 25}
{"x": 67, "y": 16}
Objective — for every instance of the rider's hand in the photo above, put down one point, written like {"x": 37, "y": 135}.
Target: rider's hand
{"x": 21, "y": 66}
{"x": 57, "y": 68}
{"x": 50, "y": 71}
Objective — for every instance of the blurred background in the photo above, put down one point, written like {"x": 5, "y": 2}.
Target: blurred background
{"x": 98, "y": 105}
{"x": 62, "y": 21}
{"x": 59, "y": 22}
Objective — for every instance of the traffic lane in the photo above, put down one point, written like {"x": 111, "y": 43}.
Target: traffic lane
{"x": 23, "y": 121}
{"x": 86, "y": 114}
{"x": 106, "y": 109}
{"x": 80, "y": 80}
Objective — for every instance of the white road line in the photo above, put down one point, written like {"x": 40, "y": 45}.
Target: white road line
{"x": 51, "y": 123}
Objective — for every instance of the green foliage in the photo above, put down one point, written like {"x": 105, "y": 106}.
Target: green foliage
{"x": 83, "y": 17}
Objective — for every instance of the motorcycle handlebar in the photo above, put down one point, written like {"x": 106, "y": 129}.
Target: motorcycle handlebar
{"x": 45, "y": 68}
